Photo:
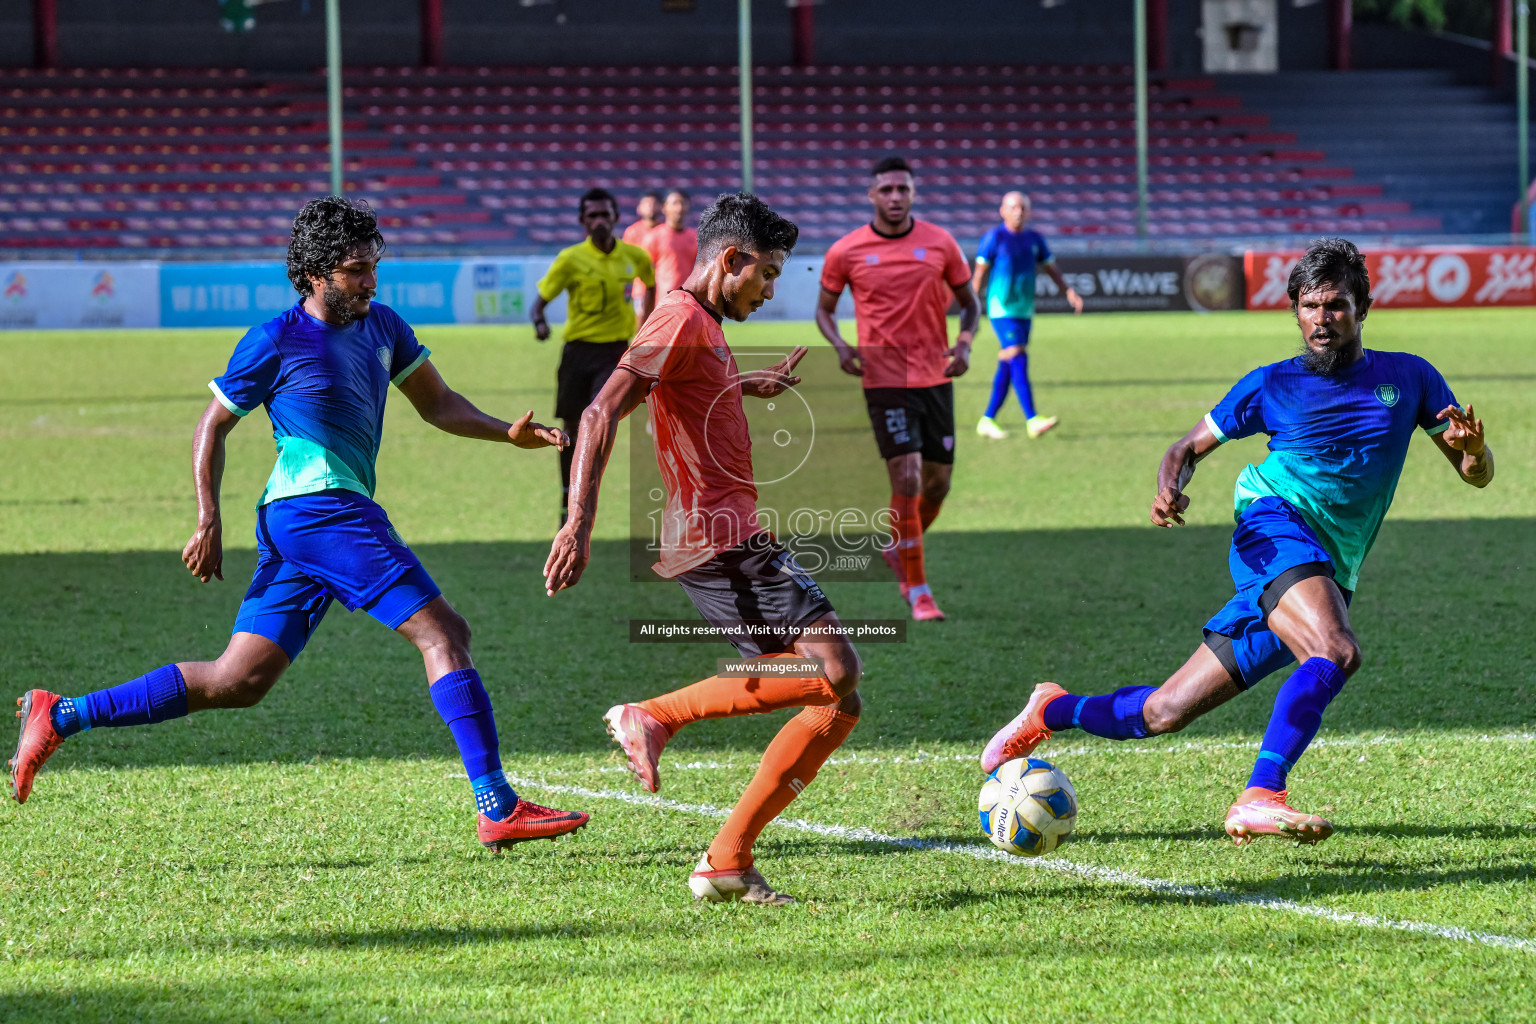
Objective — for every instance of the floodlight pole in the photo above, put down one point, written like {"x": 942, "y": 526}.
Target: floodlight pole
{"x": 333, "y": 86}
{"x": 744, "y": 59}
{"x": 1523, "y": 113}
{"x": 1141, "y": 117}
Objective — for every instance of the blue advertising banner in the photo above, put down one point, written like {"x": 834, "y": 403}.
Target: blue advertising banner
{"x": 244, "y": 294}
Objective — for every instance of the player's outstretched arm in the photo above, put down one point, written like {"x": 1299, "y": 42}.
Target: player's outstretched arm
{"x": 572, "y": 548}
{"x": 980, "y": 276}
{"x": 970, "y": 317}
{"x": 1464, "y": 444}
{"x": 1174, "y": 474}
{"x": 826, "y": 321}
{"x": 449, "y": 411}
{"x": 204, "y": 553}
{"x": 1073, "y": 299}
{"x": 772, "y": 381}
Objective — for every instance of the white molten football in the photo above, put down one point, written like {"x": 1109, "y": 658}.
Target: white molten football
{"x": 1028, "y": 806}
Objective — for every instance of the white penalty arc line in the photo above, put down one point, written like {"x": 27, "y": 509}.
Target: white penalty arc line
{"x": 1113, "y": 876}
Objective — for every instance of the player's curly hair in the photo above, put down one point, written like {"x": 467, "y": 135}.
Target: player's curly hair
{"x": 745, "y": 221}
{"x": 1331, "y": 261}
{"x": 325, "y": 230}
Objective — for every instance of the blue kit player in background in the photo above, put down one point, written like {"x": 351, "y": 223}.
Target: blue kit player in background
{"x": 322, "y": 370}
{"x": 1006, "y": 263}
{"x": 1339, "y": 417}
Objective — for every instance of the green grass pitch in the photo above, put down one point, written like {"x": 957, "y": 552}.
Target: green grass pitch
{"x": 314, "y": 858}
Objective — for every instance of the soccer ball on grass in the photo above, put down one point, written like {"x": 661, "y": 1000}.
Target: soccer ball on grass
{"x": 1028, "y": 806}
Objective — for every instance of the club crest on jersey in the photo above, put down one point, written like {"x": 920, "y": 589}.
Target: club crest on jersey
{"x": 721, "y": 352}
{"x": 920, "y": 254}
{"x": 383, "y": 354}
{"x": 1388, "y": 394}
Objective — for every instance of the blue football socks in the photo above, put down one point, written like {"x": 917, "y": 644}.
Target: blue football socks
{"x": 1297, "y": 716}
{"x": 1115, "y": 716}
{"x": 70, "y": 716}
{"x": 1000, "y": 381}
{"x": 461, "y": 699}
{"x": 156, "y": 696}
{"x": 1018, "y": 367}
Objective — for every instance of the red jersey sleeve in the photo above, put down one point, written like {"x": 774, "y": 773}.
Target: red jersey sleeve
{"x": 956, "y": 270}
{"x": 834, "y": 268}
{"x": 657, "y": 349}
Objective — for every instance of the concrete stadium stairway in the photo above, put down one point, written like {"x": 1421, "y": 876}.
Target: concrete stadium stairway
{"x": 1431, "y": 143}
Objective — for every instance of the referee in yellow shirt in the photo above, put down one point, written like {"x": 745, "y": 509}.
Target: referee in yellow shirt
{"x": 600, "y": 320}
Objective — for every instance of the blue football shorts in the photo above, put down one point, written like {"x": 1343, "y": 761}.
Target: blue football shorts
{"x": 1273, "y": 549}
{"x": 1011, "y": 331}
{"x": 334, "y": 545}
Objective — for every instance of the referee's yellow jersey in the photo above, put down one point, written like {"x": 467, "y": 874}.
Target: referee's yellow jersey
{"x": 598, "y": 310}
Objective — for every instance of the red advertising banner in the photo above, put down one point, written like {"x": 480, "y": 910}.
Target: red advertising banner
{"x": 1428, "y": 278}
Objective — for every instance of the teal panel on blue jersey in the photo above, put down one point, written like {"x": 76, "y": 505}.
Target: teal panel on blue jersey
{"x": 1013, "y": 258}
{"x": 324, "y": 387}
{"x": 1337, "y": 443}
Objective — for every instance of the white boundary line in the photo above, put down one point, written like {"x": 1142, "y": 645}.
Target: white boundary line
{"x": 1112, "y": 876}
{"x": 1171, "y": 747}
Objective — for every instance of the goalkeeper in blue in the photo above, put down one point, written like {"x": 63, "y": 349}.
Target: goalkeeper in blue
{"x": 1339, "y": 417}
{"x": 322, "y": 371}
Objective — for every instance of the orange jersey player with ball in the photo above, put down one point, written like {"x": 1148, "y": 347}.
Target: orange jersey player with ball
{"x": 904, "y": 272}
{"x": 738, "y": 576}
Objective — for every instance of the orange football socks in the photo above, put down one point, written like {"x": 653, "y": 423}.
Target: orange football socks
{"x": 928, "y": 511}
{"x": 727, "y": 698}
{"x": 789, "y": 764}
{"x": 907, "y": 528}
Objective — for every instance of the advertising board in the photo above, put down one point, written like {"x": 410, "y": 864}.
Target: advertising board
{"x": 1425, "y": 278}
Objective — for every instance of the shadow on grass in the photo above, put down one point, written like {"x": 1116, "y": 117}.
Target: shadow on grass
{"x": 1092, "y": 609}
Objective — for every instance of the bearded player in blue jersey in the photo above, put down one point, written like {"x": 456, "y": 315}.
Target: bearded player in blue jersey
{"x": 1006, "y": 265}
{"x": 322, "y": 370}
{"x": 1339, "y": 417}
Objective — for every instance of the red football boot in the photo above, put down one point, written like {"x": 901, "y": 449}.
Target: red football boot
{"x": 1020, "y": 737}
{"x": 38, "y": 740}
{"x": 528, "y": 821}
{"x": 1266, "y": 812}
{"x": 642, "y": 739}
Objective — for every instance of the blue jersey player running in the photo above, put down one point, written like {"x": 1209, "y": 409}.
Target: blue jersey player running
{"x": 322, "y": 370}
{"x": 1339, "y": 418}
{"x": 1006, "y": 263}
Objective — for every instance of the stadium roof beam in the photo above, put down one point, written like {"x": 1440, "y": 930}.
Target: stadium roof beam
{"x": 1140, "y": 44}
{"x": 1523, "y": 114}
{"x": 1501, "y": 43}
{"x": 744, "y": 62}
{"x": 1340, "y": 34}
{"x": 431, "y": 33}
{"x": 1157, "y": 35}
{"x": 45, "y": 33}
{"x": 333, "y": 87}
{"x": 802, "y": 45}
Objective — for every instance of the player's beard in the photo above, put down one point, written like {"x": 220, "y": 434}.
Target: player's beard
{"x": 1327, "y": 362}
{"x": 338, "y": 304}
